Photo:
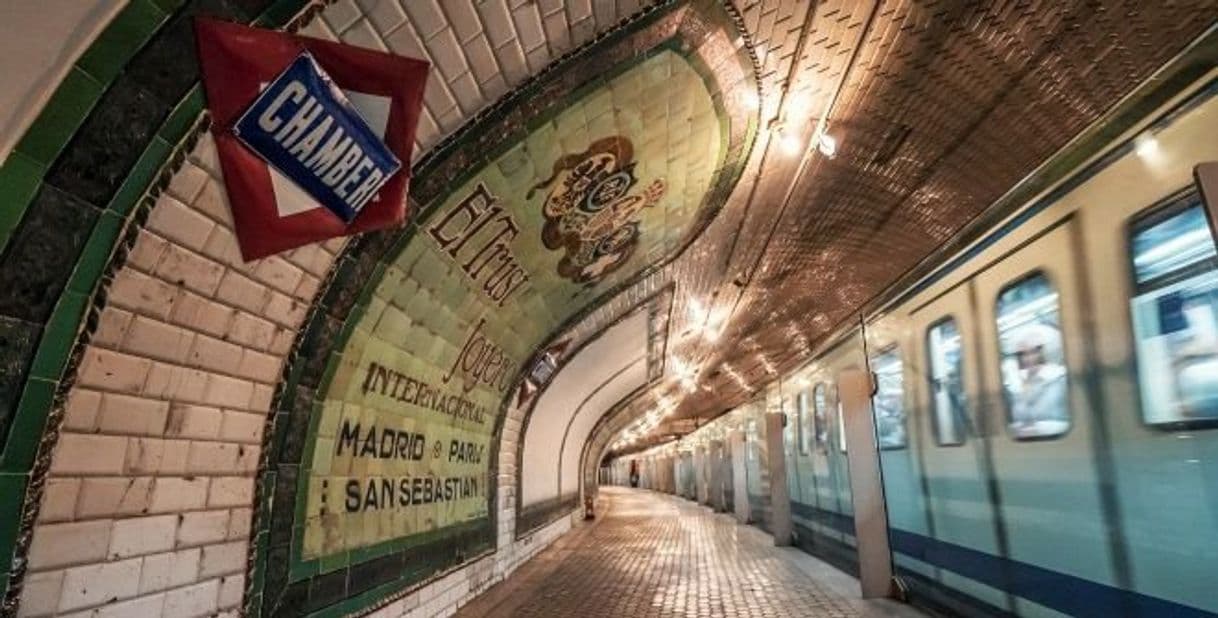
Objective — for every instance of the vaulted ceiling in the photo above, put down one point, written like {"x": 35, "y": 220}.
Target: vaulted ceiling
{"x": 938, "y": 109}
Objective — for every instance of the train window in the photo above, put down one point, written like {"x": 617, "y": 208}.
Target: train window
{"x": 949, "y": 407}
{"x": 805, "y": 422}
{"x": 1033, "y": 365}
{"x": 819, "y": 408}
{"x": 1175, "y": 317}
{"x": 888, "y": 403}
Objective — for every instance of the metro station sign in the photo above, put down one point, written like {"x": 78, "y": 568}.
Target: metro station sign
{"x": 314, "y": 138}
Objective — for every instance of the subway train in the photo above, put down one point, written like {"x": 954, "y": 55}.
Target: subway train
{"x": 1046, "y": 402}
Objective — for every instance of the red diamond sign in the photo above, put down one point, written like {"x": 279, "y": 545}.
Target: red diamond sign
{"x": 274, "y": 210}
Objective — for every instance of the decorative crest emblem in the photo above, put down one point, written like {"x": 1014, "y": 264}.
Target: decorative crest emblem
{"x": 590, "y": 211}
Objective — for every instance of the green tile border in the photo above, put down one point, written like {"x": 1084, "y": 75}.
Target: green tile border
{"x": 21, "y": 176}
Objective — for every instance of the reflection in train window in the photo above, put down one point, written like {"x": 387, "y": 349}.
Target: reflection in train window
{"x": 1033, "y": 362}
{"x": 820, "y": 407}
{"x": 841, "y": 427}
{"x": 949, "y": 408}
{"x": 805, "y": 422}
{"x": 888, "y": 403}
{"x": 1175, "y": 317}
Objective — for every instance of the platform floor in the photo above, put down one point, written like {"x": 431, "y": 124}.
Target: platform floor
{"x": 652, "y": 554}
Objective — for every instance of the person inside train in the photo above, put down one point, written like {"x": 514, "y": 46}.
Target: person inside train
{"x": 1038, "y": 406}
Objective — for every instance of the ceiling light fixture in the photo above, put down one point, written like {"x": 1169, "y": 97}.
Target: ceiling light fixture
{"x": 826, "y": 144}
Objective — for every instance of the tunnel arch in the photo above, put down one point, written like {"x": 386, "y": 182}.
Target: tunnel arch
{"x": 172, "y": 241}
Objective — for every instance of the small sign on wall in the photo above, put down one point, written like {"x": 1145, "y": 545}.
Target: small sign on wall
{"x": 314, "y": 138}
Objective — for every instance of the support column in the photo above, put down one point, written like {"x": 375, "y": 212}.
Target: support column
{"x": 700, "y": 474}
{"x": 854, "y": 387}
{"x": 739, "y": 477}
{"x": 780, "y": 495}
{"x": 718, "y": 501}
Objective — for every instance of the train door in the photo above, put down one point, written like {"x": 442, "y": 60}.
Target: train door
{"x": 895, "y": 371}
{"x": 960, "y": 506}
{"x": 1041, "y": 425}
{"x": 1161, "y": 395}
{"x": 839, "y": 468}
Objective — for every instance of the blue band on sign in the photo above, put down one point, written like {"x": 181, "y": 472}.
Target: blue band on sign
{"x": 305, "y": 127}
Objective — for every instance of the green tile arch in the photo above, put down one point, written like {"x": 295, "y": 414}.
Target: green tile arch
{"x": 21, "y": 175}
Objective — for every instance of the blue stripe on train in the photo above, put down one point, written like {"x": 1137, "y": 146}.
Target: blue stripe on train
{"x": 1060, "y": 591}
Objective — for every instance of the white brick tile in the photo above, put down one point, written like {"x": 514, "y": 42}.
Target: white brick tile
{"x": 239, "y": 523}
{"x": 188, "y": 182}
{"x": 142, "y": 535}
{"x": 528, "y": 27}
{"x": 204, "y": 155}
{"x": 172, "y": 495}
{"x": 156, "y": 456}
{"x": 385, "y": 15}
{"x": 362, "y": 34}
{"x": 497, "y": 22}
{"x": 578, "y": 10}
{"x": 59, "y": 499}
{"x": 176, "y": 221}
{"x": 213, "y": 458}
{"x": 262, "y": 397}
{"x": 232, "y": 588}
{"x": 438, "y": 98}
{"x": 308, "y": 287}
{"x": 251, "y": 331}
{"x": 147, "y": 251}
{"x": 319, "y": 30}
{"x": 99, "y": 583}
{"x": 463, "y": 19}
{"x": 511, "y": 61}
{"x": 426, "y": 17}
{"x": 446, "y": 54}
{"x": 223, "y": 559}
{"x": 57, "y": 545}
{"x": 213, "y": 201}
{"x": 140, "y": 606}
{"x": 113, "y": 496}
{"x": 169, "y": 570}
{"x": 241, "y": 427}
{"x": 214, "y": 354}
{"x": 197, "y": 600}
{"x": 340, "y": 15}
{"x": 181, "y": 266}
{"x": 258, "y": 366}
{"x": 201, "y": 527}
{"x": 285, "y": 310}
{"x": 152, "y": 338}
{"x": 88, "y": 454}
{"x": 200, "y": 314}
{"x": 113, "y": 371}
{"x": 469, "y": 97}
{"x": 80, "y": 410}
{"x": 231, "y": 491}
{"x": 481, "y": 60}
{"x": 227, "y": 392}
{"x": 242, "y": 292}
{"x": 538, "y": 58}
{"x": 222, "y": 247}
{"x": 129, "y": 415}
{"x": 193, "y": 421}
{"x": 175, "y": 382}
{"x": 406, "y": 42}
{"x": 141, "y": 294}
{"x": 557, "y": 35}
{"x": 40, "y": 593}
